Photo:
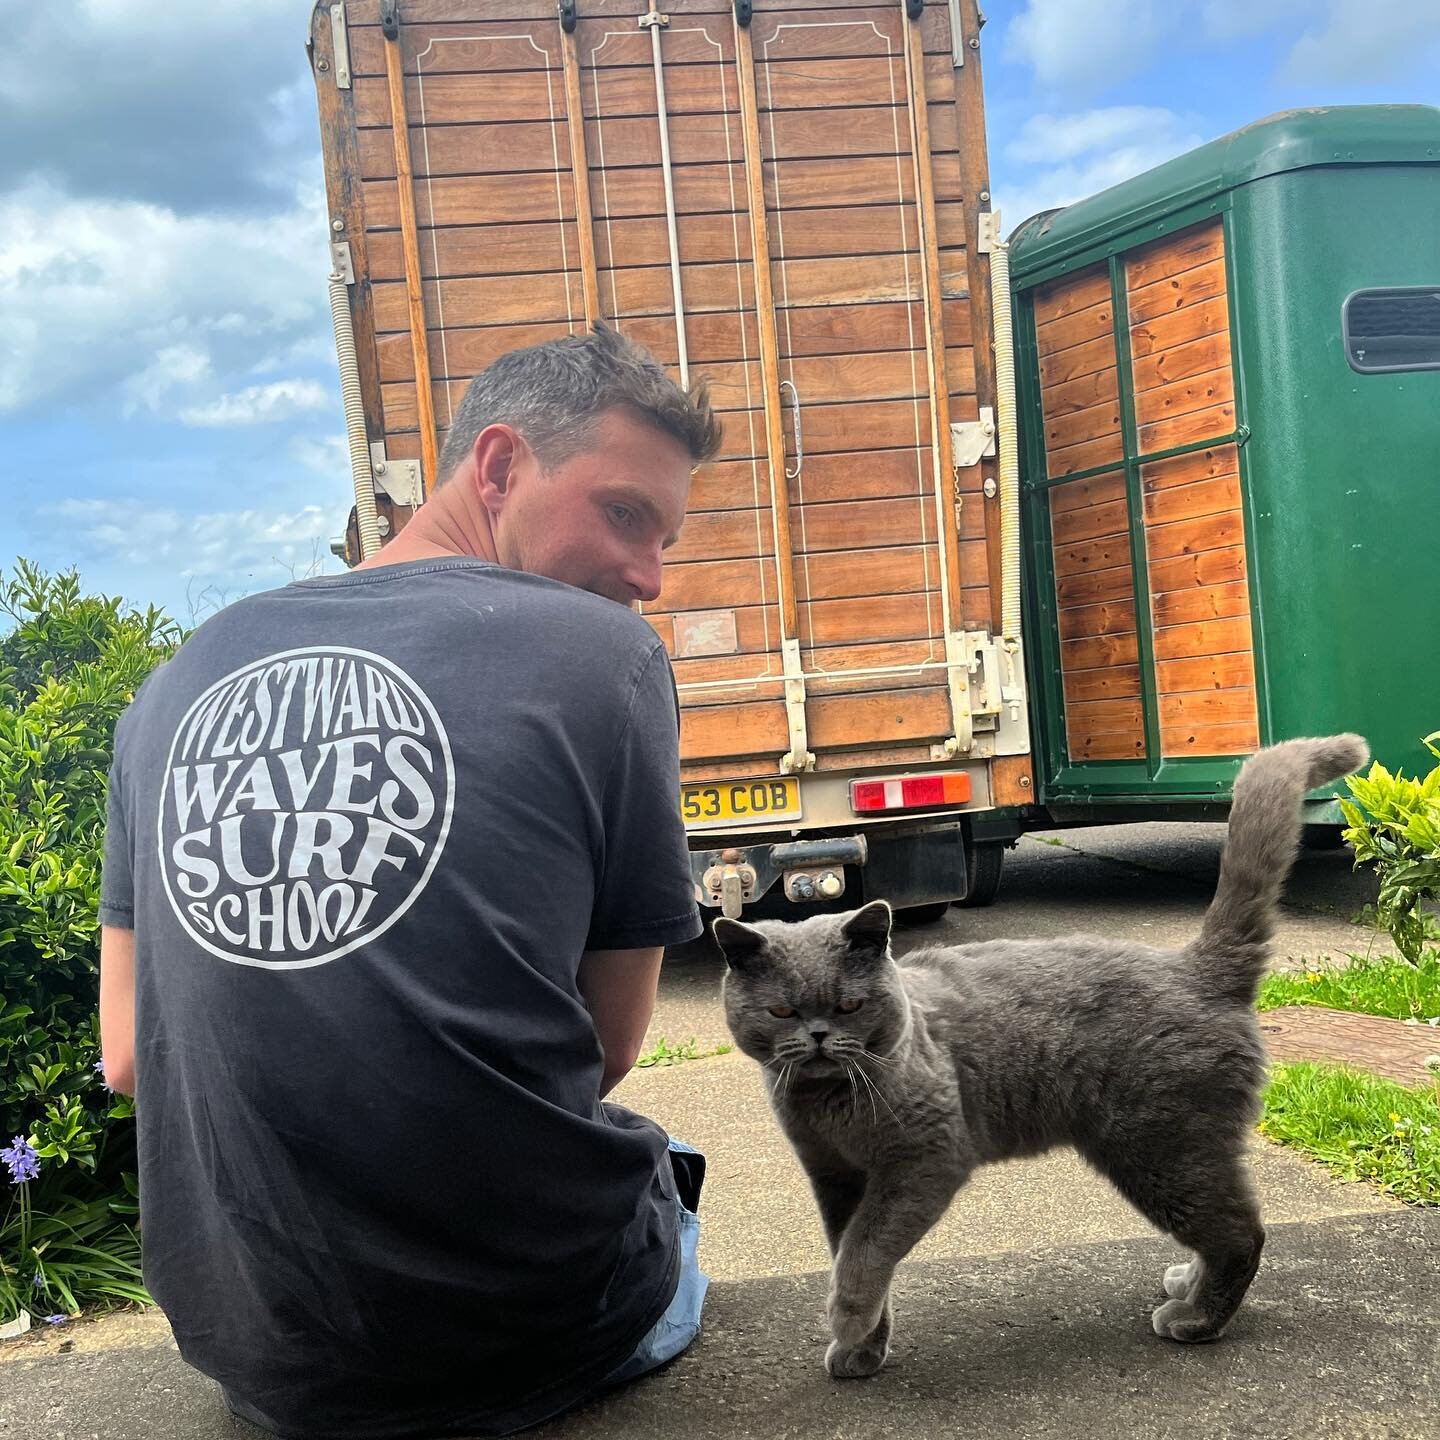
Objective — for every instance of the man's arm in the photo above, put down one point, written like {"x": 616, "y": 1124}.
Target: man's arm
{"x": 117, "y": 1007}
{"x": 619, "y": 988}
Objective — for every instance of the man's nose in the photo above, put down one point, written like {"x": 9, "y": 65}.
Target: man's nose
{"x": 646, "y": 575}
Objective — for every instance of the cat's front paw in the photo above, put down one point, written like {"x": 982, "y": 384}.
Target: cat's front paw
{"x": 852, "y": 1322}
{"x": 856, "y": 1361}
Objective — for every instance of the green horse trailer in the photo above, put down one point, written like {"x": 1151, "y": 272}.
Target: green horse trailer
{"x": 1228, "y": 376}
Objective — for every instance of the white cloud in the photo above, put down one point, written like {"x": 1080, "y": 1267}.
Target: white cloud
{"x": 255, "y": 404}
{"x": 1085, "y": 45}
{"x": 1052, "y": 139}
{"x": 217, "y": 555}
{"x": 1359, "y": 41}
{"x": 1096, "y": 148}
{"x": 328, "y": 456}
{"x": 1236, "y": 19}
{"x": 99, "y": 296}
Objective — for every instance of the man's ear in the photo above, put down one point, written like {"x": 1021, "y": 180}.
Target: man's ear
{"x": 496, "y": 451}
{"x": 741, "y": 945}
{"x": 869, "y": 927}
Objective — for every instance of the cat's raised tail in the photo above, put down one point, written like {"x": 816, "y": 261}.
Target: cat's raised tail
{"x": 1259, "y": 852}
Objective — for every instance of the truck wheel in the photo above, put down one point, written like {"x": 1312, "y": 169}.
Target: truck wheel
{"x": 983, "y": 864}
{"x": 923, "y": 914}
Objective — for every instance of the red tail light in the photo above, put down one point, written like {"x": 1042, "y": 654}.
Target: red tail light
{"x": 909, "y": 792}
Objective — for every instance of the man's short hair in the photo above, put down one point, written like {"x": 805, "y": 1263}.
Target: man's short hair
{"x": 554, "y": 394}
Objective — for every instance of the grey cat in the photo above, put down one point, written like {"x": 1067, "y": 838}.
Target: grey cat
{"x": 894, "y": 1080}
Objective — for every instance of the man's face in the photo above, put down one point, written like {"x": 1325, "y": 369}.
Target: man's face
{"x": 602, "y": 520}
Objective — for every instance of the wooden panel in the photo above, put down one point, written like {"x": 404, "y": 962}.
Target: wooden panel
{"x": 1190, "y": 537}
{"x": 1113, "y": 618}
{"x": 1118, "y": 682}
{"x": 1098, "y": 490}
{"x": 1188, "y": 502}
{"x": 1074, "y": 292}
{"x": 1211, "y": 567}
{"x": 1176, "y": 292}
{"x": 1068, "y": 459}
{"x": 1103, "y": 387}
{"x": 1090, "y": 522}
{"x": 1096, "y": 423}
{"x": 1216, "y": 602}
{"x": 1211, "y": 637}
{"x": 1234, "y": 670}
{"x": 1075, "y": 329}
{"x": 1185, "y": 429}
{"x": 1095, "y": 585}
{"x": 1079, "y": 360}
{"x": 1210, "y": 317}
{"x": 1182, "y": 470}
{"x": 1241, "y": 739}
{"x": 1175, "y": 254}
{"x": 1096, "y": 621}
{"x": 1182, "y": 362}
{"x": 1180, "y": 397}
{"x": 473, "y": 301}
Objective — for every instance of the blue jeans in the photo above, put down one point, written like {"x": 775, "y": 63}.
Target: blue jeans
{"x": 680, "y": 1323}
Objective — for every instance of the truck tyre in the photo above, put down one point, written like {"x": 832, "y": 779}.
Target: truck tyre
{"x": 983, "y": 864}
{"x": 923, "y": 914}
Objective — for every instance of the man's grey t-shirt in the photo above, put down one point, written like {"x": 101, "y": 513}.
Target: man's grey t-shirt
{"x": 364, "y": 828}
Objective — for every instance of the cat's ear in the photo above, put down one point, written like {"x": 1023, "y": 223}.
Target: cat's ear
{"x": 740, "y": 944}
{"x": 869, "y": 927}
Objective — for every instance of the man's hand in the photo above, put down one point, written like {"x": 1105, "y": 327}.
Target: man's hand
{"x": 619, "y": 988}
{"x": 117, "y": 1007}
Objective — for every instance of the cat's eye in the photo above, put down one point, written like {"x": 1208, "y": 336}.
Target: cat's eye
{"x": 849, "y": 1007}
{"x": 782, "y": 1012}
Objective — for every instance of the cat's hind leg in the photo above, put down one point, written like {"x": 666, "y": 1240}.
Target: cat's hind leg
{"x": 1206, "y": 1202}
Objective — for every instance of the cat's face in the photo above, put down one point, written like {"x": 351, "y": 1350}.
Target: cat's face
{"x": 817, "y": 994}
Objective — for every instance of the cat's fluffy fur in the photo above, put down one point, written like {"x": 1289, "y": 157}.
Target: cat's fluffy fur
{"x": 1149, "y": 1062}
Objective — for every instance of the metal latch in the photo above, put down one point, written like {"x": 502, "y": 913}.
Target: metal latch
{"x": 972, "y": 440}
{"x": 399, "y": 479}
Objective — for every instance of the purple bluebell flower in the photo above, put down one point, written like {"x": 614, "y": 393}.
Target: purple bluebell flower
{"x": 38, "y": 1281}
{"x": 99, "y": 1069}
{"x": 56, "y": 1319}
{"x": 21, "y": 1159}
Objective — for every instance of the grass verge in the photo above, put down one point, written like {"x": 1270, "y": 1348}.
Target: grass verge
{"x": 1359, "y": 1126}
{"x": 667, "y": 1054}
{"x": 1384, "y": 985}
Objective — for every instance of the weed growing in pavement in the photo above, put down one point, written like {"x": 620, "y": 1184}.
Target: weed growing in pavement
{"x": 667, "y": 1054}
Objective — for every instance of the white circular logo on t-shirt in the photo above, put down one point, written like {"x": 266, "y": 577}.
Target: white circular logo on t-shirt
{"x": 305, "y": 804}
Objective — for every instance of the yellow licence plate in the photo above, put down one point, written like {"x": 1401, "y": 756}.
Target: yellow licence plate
{"x": 728, "y": 802}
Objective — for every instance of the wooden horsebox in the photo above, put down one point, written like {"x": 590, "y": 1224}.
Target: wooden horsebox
{"x": 787, "y": 200}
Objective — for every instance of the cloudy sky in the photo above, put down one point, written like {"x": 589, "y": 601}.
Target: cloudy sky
{"x": 168, "y": 399}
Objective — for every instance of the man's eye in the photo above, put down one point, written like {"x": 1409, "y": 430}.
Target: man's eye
{"x": 782, "y": 1012}
{"x": 849, "y": 1007}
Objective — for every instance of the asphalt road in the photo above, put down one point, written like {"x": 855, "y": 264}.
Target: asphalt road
{"x": 1023, "y": 1314}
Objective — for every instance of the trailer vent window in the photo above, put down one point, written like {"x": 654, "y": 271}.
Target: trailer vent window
{"x": 909, "y": 792}
{"x": 1394, "y": 329}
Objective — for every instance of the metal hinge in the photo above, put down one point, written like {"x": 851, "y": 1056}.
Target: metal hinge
{"x": 972, "y": 440}
{"x": 341, "y": 263}
{"x": 341, "y": 40}
{"x": 399, "y": 479}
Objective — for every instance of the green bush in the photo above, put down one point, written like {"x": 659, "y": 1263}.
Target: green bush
{"x": 1395, "y": 823}
{"x": 69, "y": 665}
